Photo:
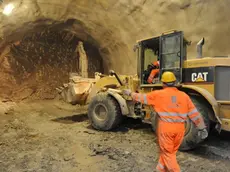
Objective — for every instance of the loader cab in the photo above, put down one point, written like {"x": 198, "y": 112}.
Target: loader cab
{"x": 169, "y": 49}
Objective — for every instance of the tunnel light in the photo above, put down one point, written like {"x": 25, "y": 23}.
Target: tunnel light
{"x": 8, "y": 9}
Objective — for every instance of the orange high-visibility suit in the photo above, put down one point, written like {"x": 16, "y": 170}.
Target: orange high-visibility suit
{"x": 173, "y": 107}
{"x": 154, "y": 72}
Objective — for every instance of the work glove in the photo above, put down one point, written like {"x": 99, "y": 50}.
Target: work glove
{"x": 127, "y": 92}
{"x": 203, "y": 133}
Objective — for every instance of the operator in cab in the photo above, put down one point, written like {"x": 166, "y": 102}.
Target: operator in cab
{"x": 155, "y": 70}
{"x": 173, "y": 107}
{"x": 152, "y": 70}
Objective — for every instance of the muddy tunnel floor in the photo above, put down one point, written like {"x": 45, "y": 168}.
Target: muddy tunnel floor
{"x": 52, "y": 136}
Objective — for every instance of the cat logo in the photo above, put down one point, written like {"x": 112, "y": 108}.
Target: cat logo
{"x": 200, "y": 77}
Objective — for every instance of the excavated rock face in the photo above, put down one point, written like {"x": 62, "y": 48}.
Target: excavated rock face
{"x": 41, "y": 61}
{"x": 108, "y": 28}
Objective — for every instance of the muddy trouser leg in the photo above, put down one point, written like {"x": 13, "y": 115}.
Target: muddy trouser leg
{"x": 169, "y": 144}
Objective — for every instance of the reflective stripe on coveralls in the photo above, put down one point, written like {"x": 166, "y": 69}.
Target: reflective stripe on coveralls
{"x": 156, "y": 99}
{"x": 160, "y": 167}
{"x": 173, "y": 107}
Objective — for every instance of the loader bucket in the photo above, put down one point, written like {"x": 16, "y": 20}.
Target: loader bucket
{"x": 77, "y": 90}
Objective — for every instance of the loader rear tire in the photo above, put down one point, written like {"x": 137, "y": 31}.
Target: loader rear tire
{"x": 191, "y": 139}
{"x": 104, "y": 112}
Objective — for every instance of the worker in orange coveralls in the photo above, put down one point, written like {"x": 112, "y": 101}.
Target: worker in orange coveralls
{"x": 154, "y": 72}
{"x": 173, "y": 107}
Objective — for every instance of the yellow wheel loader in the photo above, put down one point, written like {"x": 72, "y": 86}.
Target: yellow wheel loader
{"x": 205, "y": 79}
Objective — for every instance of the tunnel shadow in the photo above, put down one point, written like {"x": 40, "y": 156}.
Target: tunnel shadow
{"x": 129, "y": 124}
{"x": 71, "y": 119}
{"x": 126, "y": 125}
{"x": 132, "y": 124}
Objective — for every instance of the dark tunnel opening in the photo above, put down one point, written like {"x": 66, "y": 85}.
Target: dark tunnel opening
{"x": 42, "y": 60}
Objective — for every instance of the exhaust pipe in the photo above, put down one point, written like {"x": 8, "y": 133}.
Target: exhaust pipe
{"x": 199, "y": 48}
{"x": 112, "y": 73}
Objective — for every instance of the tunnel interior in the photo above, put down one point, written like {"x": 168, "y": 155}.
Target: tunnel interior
{"x": 38, "y": 39}
{"x": 42, "y": 58}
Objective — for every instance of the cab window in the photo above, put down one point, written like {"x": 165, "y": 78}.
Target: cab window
{"x": 171, "y": 54}
{"x": 150, "y": 54}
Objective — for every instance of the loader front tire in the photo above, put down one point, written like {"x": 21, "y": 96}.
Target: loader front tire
{"x": 104, "y": 112}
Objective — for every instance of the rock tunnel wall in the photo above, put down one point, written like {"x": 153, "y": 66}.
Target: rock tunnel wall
{"x": 113, "y": 26}
{"x": 40, "y": 61}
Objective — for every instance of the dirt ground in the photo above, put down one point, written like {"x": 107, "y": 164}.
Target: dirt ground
{"x": 52, "y": 136}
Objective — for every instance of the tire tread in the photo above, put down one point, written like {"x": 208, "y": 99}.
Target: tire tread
{"x": 114, "y": 110}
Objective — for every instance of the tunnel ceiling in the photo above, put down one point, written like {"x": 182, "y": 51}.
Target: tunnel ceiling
{"x": 115, "y": 25}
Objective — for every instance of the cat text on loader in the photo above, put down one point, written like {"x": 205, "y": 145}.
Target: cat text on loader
{"x": 205, "y": 79}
